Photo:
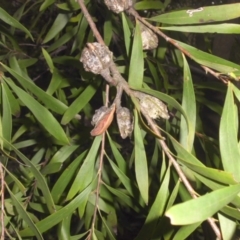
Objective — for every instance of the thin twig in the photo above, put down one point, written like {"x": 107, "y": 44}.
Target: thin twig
{"x": 90, "y": 22}
{"x": 134, "y": 13}
{"x": 99, "y": 172}
{"x": 2, "y": 202}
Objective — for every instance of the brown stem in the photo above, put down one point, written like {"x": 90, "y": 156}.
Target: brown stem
{"x": 99, "y": 172}
{"x": 134, "y": 13}
{"x": 2, "y": 202}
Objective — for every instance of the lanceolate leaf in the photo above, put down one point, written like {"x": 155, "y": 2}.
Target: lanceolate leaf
{"x": 4, "y": 16}
{"x": 228, "y": 136}
{"x": 135, "y": 78}
{"x": 220, "y": 28}
{"x": 157, "y": 209}
{"x": 41, "y": 182}
{"x": 24, "y": 215}
{"x": 85, "y": 175}
{"x": 44, "y": 117}
{"x": 78, "y": 104}
{"x": 141, "y": 167}
{"x": 59, "y": 23}
{"x": 50, "y": 221}
{"x": 189, "y": 106}
{"x": 6, "y": 117}
{"x": 200, "y": 15}
{"x": 49, "y": 101}
{"x": 203, "y": 207}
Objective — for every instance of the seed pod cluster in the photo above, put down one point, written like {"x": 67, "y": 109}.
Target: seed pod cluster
{"x": 96, "y": 57}
{"x": 118, "y": 6}
{"x": 153, "y": 106}
{"x": 149, "y": 38}
{"x": 102, "y": 119}
{"x": 125, "y": 122}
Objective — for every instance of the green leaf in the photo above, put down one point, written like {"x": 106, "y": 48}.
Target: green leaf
{"x": 53, "y": 219}
{"x": 228, "y": 136}
{"x": 193, "y": 163}
{"x": 66, "y": 177}
{"x": 136, "y": 67}
{"x": 24, "y": 215}
{"x": 14, "y": 104}
{"x": 127, "y": 33}
{"x": 55, "y": 82}
{"x": 85, "y": 175}
{"x": 189, "y": 106}
{"x": 59, "y": 23}
{"x": 46, "y": 4}
{"x": 227, "y": 28}
{"x": 123, "y": 178}
{"x": 51, "y": 168}
{"x": 157, "y": 209}
{"x": 141, "y": 167}
{"x": 48, "y": 60}
{"x": 51, "y": 102}
{"x": 228, "y": 226}
{"x": 203, "y": 207}
{"x": 108, "y": 32}
{"x": 16, "y": 180}
{"x": 144, "y": 5}
{"x": 5, "y": 17}
{"x": 185, "y": 231}
{"x": 201, "y": 15}
{"x": 121, "y": 196}
{"x": 63, "y": 39}
{"x": 209, "y": 60}
{"x": 6, "y": 116}
{"x": 42, "y": 114}
{"x": 79, "y": 103}
{"x": 70, "y": 5}
{"x": 117, "y": 156}
{"x": 63, "y": 153}
{"x": 41, "y": 182}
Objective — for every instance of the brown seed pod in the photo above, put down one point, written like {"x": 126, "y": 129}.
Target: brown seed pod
{"x": 153, "y": 106}
{"x": 124, "y": 121}
{"x": 103, "y": 120}
{"x": 118, "y": 6}
{"x": 149, "y": 38}
{"x": 96, "y": 57}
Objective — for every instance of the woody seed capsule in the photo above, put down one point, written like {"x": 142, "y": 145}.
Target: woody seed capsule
{"x": 96, "y": 57}
{"x": 153, "y": 106}
{"x": 118, "y": 6}
{"x": 149, "y": 38}
{"x": 124, "y": 121}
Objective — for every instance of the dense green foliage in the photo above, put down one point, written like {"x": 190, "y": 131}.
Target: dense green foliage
{"x": 54, "y": 184}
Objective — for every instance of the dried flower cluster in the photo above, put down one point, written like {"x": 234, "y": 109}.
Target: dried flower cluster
{"x": 125, "y": 122}
{"x": 149, "y": 38}
{"x": 118, "y": 6}
{"x": 96, "y": 57}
